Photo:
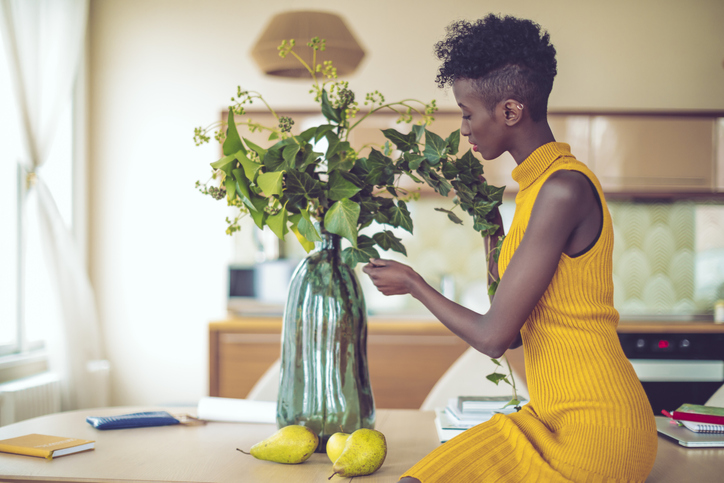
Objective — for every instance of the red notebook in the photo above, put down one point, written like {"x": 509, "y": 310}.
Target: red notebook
{"x": 699, "y": 414}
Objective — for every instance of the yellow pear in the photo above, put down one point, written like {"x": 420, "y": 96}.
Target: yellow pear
{"x": 290, "y": 445}
{"x": 363, "y": 454}
{"x": 335, "y": 445}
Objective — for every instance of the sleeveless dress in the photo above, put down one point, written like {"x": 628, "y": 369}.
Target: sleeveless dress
{"x": 588, "y": 419}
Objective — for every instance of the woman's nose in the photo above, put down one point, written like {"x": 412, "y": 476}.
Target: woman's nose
{"x": 464, "y": 128}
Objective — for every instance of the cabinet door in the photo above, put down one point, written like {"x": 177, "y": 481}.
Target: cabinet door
{"x": 653, "y": 153}
{"x": 239, "y": 356}
{"x": 406, "y": 360}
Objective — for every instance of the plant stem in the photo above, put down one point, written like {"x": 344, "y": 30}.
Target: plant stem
{"x": 388, "y": 106}
{"x": 512, "y": 378}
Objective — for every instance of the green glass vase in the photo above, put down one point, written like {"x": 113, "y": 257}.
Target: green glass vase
{"x": 324, "y": 381}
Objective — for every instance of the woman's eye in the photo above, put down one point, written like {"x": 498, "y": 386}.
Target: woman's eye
{"x": 467, "y": 118}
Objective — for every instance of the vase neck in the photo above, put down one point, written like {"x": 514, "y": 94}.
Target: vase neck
{"x": 330, "y": 241}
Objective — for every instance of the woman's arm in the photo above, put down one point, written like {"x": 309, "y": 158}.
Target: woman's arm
{"x": 564, "y": 201}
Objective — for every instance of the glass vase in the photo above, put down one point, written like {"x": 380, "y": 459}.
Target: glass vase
{"x": 324, "y": 381}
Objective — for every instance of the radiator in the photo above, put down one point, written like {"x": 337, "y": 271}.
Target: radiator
{"x": 29, "y": 397}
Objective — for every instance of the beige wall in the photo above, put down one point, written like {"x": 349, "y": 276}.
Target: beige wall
{"x": 158, "y": 68}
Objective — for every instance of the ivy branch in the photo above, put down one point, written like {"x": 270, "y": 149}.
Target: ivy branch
{"x": 287, "y": 185}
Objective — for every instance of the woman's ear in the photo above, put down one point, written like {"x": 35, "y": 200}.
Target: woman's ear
{"x": 512, "y": 111}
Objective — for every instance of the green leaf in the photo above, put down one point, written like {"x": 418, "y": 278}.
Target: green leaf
{"x": 250, "y": 167}
{"x": 338, "y": 187}
{"x": 271, "y": 183}
{"x": 464, "y": 193}
{"x": 440, "y": 184}
{"x": 339, "y": 149}
{"x": 418, "y": 130}
{"x": 404, "y": 142}
{"x": 306, "y": 244}
{"x": 451, "y": 216}
{"x": 232, "y": 143}
{"x": 310, "y": 157}
{"x": 273, "y": 158}
{"x": 307, "y": 229}
{"x": 230, "y": 185}
{"x": 322, "y": 131}
{"x": 496, "y": 250}
{"x": 435, "y": 147}
{"x": 308, "y": 134}
{"x": 360, "y": 253}
{"x": 469, "y": 168}
{"x": 482, "y": 208}
{"x": 379, "y": 169}
{"x": 388, "y": 241}
{"x": 278, "y": 223}
{"x": 289, "y": 153}
{"x": 453, "y": 142}
{"x": 449, "y": 170}
{"x": 495, "y": 377}
{"x": 301, "y": 188}
{"x": 340, "y": 164}
{"x": 259, "y": 215}
{"x": 328, "y": 111}
{"x": 401, "y": 216}
{"x": 484, "y": 227}
{"x": 256, "y": 148}
{"x": 332, "y": 143}
{"x": 512, "y": 402}
{"x": 413, "y": 160}
{"x": 496, "y": 362}
{"x": 341, "y": 219}
{"x": 492, "y": 193}
{"x": 369, "y": 209}
{"x": 225, "y": 164}
{"x": 242, "y": 187}
{"x": 492, "y": 288}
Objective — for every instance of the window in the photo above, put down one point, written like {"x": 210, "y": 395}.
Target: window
{"x": 27, "y": 299}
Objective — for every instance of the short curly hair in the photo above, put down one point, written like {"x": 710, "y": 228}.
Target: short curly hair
{"x": 506, "y": 57}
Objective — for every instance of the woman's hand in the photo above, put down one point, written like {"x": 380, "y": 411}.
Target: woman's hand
{"x": 391, "y": 277}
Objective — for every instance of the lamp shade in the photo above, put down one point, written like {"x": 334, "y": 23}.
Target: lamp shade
{"x": 341, "y": 47}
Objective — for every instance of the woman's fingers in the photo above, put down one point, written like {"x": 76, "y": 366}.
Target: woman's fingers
{"x": 388, "y": 276}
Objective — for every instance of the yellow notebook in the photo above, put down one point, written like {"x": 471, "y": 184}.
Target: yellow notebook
{"x": 45, "y": 446}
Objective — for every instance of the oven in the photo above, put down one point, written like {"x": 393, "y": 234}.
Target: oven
{"x": 676, "y": 368}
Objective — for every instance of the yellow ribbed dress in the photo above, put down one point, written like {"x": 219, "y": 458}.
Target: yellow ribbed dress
{"x": 588, "y": 419}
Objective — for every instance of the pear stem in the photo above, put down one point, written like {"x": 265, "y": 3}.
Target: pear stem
{"x": 332, "y": 475}
{"x": 237, "y": 449}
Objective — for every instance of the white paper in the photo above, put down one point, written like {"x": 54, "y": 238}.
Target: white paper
{"x": 237, "y": 410}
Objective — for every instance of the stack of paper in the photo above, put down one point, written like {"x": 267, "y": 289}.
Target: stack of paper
{"x": 468, "y": 410}
{"x": 236, "y": 410}
{"x": 703, "y": 427}
{"x": 699, "y": 419}
{"x": 464, "y": 412}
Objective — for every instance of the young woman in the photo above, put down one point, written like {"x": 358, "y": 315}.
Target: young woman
{"x": 588, "y": 418}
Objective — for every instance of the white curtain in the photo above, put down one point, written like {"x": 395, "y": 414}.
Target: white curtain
{"x": 45, "y": 42}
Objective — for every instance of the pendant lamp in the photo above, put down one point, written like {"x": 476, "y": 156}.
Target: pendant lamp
{"x": 341, "y": 47}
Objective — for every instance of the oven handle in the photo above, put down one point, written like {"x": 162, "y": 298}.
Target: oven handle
{"x": 668, "y": 370}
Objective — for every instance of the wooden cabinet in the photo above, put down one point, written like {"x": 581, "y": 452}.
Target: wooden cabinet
{"x": 645, "y": 153}
{"x": 405, "y": 358}
{"x": 653, "y": 153}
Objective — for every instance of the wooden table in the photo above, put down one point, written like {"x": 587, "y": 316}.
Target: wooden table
{"x": 207, "y": 453}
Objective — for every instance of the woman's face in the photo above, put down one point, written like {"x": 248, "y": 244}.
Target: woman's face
{"x": 485, "y": 131}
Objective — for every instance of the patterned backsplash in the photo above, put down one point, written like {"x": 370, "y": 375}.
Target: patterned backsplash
{"x": 668, "y": 258}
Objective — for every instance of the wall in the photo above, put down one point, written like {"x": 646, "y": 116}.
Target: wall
{"x": 159, "y": 68}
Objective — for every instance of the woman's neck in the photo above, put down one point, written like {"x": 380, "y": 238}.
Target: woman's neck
{"x": 530, "y": 137}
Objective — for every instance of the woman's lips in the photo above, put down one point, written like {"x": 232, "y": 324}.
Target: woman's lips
{"x": 475, "y": 148}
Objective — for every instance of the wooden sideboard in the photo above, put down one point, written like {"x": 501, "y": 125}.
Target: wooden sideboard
{"x": 406, "y": 358}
